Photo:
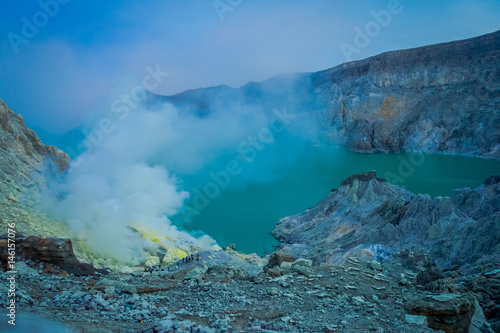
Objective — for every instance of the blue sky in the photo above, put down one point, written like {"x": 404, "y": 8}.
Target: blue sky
{"x": 88, "y": 51}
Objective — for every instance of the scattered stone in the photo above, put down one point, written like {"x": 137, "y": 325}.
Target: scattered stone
{"x": 273, "y": 291}
{"x": 359, "y": 300}
{"x": 419, "y": 320}
{"x": 278, "y": 258}
{"x": 195, "y": 274}
{"x": 23, "y": 269}
{"x": 375, "y": 265}
{"x": 303, "y": 266}
{"x": 274, "y": 272}
{"x": 403, "y": 281}
{"x": 492, "y": 273}
{"x": 260, "y": 278}
{"x": 331, "y": 329}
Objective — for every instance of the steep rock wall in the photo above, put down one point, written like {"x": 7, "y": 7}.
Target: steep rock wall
{"x": 25, "y": 164}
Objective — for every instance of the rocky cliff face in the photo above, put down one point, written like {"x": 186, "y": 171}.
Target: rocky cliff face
{"x": 446, "y": 245}
{"x": 371, "y": 217}
{"x": 25, "y": 164}
{"x": 438, "y": 98}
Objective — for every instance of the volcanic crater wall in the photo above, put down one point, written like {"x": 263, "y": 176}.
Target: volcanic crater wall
{"x": 25, "y": 165}
{"x": 437, "y": 98}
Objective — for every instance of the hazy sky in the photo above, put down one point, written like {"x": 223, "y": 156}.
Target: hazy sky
{"x": 78, "y": 54}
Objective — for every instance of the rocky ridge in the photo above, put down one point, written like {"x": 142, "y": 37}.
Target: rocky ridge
{"x": 368, "y": 215}
{"x": 450, "y": 242}
{"x": 25, "y": 165}
{"x": 436, "y": 99}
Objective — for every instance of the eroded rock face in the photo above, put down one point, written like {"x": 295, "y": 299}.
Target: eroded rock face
{"x": 24, "y": 159}
{"x": 25, "y": 165}
{"x": 438, "y": 98}
{"x": 371, "y": 216}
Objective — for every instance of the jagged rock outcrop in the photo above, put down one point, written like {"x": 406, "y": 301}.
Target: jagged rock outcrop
{"x": 447, "y": 245}
{"x": 438, "y": 98}
{"x": 368, "y": 214}
{"x": 25, "y": 164}
{"x": 24, "y": 158}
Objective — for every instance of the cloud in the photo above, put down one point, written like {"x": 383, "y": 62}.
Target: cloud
{"x": 115, "y": 186}
{"x": 70, "y": 67}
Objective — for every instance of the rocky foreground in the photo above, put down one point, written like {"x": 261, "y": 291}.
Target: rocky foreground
{"x": 227, "y": 292}
{"x": 361, "y": 261}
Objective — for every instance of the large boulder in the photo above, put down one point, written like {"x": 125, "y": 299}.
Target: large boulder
{"x": 49, "y": 252}
{"x": 277, "y": 258}
{"x": 451, "y": 313}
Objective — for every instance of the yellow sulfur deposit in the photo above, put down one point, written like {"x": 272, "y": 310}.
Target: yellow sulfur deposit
{"x": 147, "y": 233}
{"x": 173, "y": 253}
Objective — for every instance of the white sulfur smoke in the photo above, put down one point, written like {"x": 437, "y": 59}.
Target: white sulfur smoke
{"x": 117, "y": 185}
{"x": 127, "y": 178}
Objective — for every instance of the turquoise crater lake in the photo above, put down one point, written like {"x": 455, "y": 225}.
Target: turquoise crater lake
{"x": 246, "y": 214}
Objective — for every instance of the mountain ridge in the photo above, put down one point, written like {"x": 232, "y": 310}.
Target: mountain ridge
{"x": 440, "y": 98}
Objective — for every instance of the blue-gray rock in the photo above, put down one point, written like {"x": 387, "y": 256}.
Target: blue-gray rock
{"x": 373, "y": 216}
